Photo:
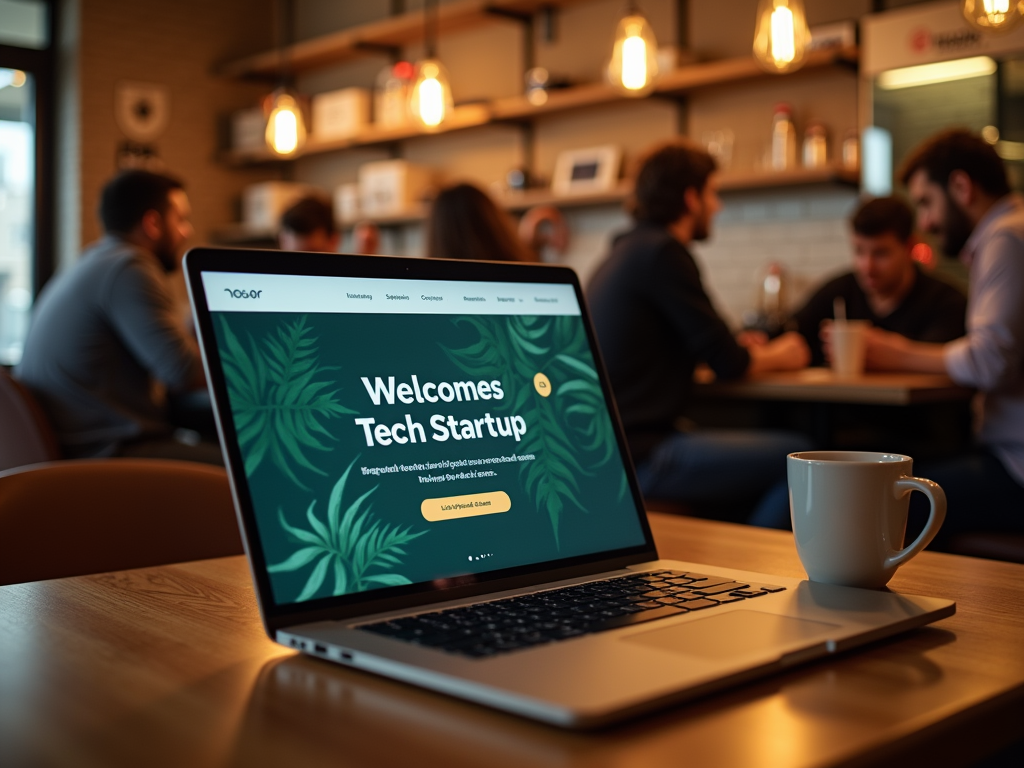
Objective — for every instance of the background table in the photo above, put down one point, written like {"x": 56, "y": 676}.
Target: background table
{"x": 169, "y": 666}
{"x": 923, "y": 415}
{"x": 821, "y": 385}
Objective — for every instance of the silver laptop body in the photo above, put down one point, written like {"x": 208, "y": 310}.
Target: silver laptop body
{"x": 408, "y": 436}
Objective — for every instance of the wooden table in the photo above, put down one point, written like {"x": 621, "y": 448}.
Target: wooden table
{"x": 168, "y": 666}
{"x": 821, "y": 385}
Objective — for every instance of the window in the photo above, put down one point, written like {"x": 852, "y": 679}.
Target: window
{"x": 26, "y": 155}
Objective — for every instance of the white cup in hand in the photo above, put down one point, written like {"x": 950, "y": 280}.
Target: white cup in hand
{"x": 848, "y": 343}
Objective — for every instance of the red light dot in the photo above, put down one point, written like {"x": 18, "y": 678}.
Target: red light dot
{"x": 923, "y": 254}
{"x": 403, "y": 70}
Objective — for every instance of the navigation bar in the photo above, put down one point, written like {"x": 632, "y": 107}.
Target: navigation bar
{"x": 247, "y": 292}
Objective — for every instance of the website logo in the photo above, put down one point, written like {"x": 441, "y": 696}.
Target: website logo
{"x": 237, "y": 294}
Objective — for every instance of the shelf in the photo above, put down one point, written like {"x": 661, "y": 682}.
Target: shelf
{"x": 385, "y": 35}
{"x": 517, "y": 202}
{"x": 742, "y": 181}
{"x": 677, "y": 82}
{"x": 467, "y": 116}
{"x": 682, "y": 80}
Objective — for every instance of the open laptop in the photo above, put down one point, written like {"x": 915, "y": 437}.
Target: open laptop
{"x": 433, "y": 485}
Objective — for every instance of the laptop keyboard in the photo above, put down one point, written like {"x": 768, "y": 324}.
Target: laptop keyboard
{"x": 487, "y": 629}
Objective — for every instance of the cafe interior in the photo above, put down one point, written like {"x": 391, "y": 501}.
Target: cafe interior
{"x": 128, "y": 618}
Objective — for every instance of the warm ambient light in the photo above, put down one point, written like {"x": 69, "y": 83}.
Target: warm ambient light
{"x": 781, "y": 36}
{"x": 634, "y": 63}
{"x": 996, "y": 16}
{"x": 940, "y": 72}
{"x": 286, "y": 130}
{"x": 431, "y": 99}
{"x": 12, "y": 77}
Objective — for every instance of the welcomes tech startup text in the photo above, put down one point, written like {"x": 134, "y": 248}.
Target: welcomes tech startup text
{"x": 443, "y": 426}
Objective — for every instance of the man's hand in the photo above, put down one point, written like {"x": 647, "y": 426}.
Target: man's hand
{"x": 888, "y": 351}
{"x": 750, "y": 338}
{"x": 788, "y": 352}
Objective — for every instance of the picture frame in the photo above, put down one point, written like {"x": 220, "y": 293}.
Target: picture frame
{"x": 581, "y": 171}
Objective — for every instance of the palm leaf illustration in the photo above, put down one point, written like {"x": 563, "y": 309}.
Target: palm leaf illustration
{"x": 571, "y": 433}
{"x": 351, "y": 543}
{"x": 277, "y": 405}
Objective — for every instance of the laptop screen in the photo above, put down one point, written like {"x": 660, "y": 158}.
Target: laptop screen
{"x": 402, "y": 431}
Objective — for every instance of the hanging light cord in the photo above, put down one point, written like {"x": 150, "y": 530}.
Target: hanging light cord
{"x": 430, "y": 28}
{"x": 284, "y": 34}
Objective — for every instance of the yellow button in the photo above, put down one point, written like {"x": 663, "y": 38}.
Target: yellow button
{"x": 454, "y": 507}
{"x": 542, "y": 384}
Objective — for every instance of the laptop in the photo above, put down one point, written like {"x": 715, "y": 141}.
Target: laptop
{"x": 433, "y": 485}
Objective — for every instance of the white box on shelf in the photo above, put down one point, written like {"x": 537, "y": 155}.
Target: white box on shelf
{"x": 263, "y": 203}
{"x": 392, "y": 187}
{"x": 579, "y": 171}
{"x": 346, "y": 203}
{"x": 340, "y": 114}
{"x": 248, "y": 129}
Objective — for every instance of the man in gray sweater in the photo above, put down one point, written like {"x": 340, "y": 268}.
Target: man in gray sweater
{"x": 105, "y": 346}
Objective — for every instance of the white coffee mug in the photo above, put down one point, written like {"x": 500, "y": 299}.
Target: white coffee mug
{"x": 849, "y": 339}
{"x": 849, "y": 512}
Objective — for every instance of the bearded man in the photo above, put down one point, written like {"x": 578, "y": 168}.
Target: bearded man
{"x": 655, "y": 323}
{"x": 959, "y": 186}
{"x": 105, "y": 344}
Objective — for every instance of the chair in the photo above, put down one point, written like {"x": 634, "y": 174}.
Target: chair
{"x": 27, "y": 436}
{"x": 992, "y": 546}
{"x": 69, "y": 518}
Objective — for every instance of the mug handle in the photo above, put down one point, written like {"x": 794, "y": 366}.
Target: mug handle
{"x": 936, "y": 515}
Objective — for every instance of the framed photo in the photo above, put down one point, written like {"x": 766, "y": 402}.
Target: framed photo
{"x": 578, "y": 171}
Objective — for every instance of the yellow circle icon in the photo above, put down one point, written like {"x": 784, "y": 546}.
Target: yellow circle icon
{"x": 542, "y": 385}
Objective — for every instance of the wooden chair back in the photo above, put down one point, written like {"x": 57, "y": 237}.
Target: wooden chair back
{"x": 26, "y": 436}
{"x": 69, "y": 518}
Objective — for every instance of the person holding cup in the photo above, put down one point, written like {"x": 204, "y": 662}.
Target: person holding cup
{"x": 960, "y": 189}
{"x": 887, "y": 289}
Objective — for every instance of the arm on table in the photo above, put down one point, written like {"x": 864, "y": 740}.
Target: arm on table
{"x": 788, "y": 352}
{"x": 887, "y": 351}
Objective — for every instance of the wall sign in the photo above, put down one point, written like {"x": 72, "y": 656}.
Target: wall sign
{"x": 141, "y": 110}
{"x": 927, "y": 33}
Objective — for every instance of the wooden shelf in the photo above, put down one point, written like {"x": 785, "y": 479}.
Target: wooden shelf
{"x": 382, "y": 36}
{"x": 516, "y": 202}
{"x": 677, "y": 82}
{"x": 467, "y": 116}
{"x": 682, "y": 80}
{"x": 742, "y": 181}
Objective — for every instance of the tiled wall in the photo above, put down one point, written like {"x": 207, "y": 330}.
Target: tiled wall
{"x": 805, "y": 230}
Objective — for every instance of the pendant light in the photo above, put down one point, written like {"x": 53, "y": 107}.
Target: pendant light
{"x": 430, "y": 101}
{"x": 634, "y": 64}
{"x": 286, "y": 127}
{"x": 781, "y": 35}
{"x": 996, "y": 16}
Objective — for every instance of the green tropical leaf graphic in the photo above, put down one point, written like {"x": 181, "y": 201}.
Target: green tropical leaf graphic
{"x": 277, "y": 405}
{"x": 570, "y": 433}
{"x": 348, "y": 545}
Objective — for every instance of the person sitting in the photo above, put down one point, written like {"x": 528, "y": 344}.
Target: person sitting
{"x": 655, "y": 322}
{"x": 886, "y": 287}
{"x": 464, "y": 223}
{"x": 960, "y": 189}
{"x": 104, "y": 344}
{"x": 308, "y": 225}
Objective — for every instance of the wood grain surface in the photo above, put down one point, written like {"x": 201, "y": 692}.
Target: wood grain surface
{"x": 170, "y": 666}
{"x": 821, "y": 385}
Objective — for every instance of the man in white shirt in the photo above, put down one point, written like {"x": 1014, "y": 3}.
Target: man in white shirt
{"x": 959, "y": 187}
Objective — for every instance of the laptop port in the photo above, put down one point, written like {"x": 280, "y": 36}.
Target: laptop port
{"x": 346, "y": 656}
{"x": 320, "y": 648}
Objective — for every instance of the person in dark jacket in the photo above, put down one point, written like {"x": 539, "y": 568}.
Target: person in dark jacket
{"x": 655, "y": 323}
{"x": 886, "y": 287}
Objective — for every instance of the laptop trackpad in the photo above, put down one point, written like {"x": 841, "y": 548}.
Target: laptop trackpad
{"x": 732, "y": 634}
